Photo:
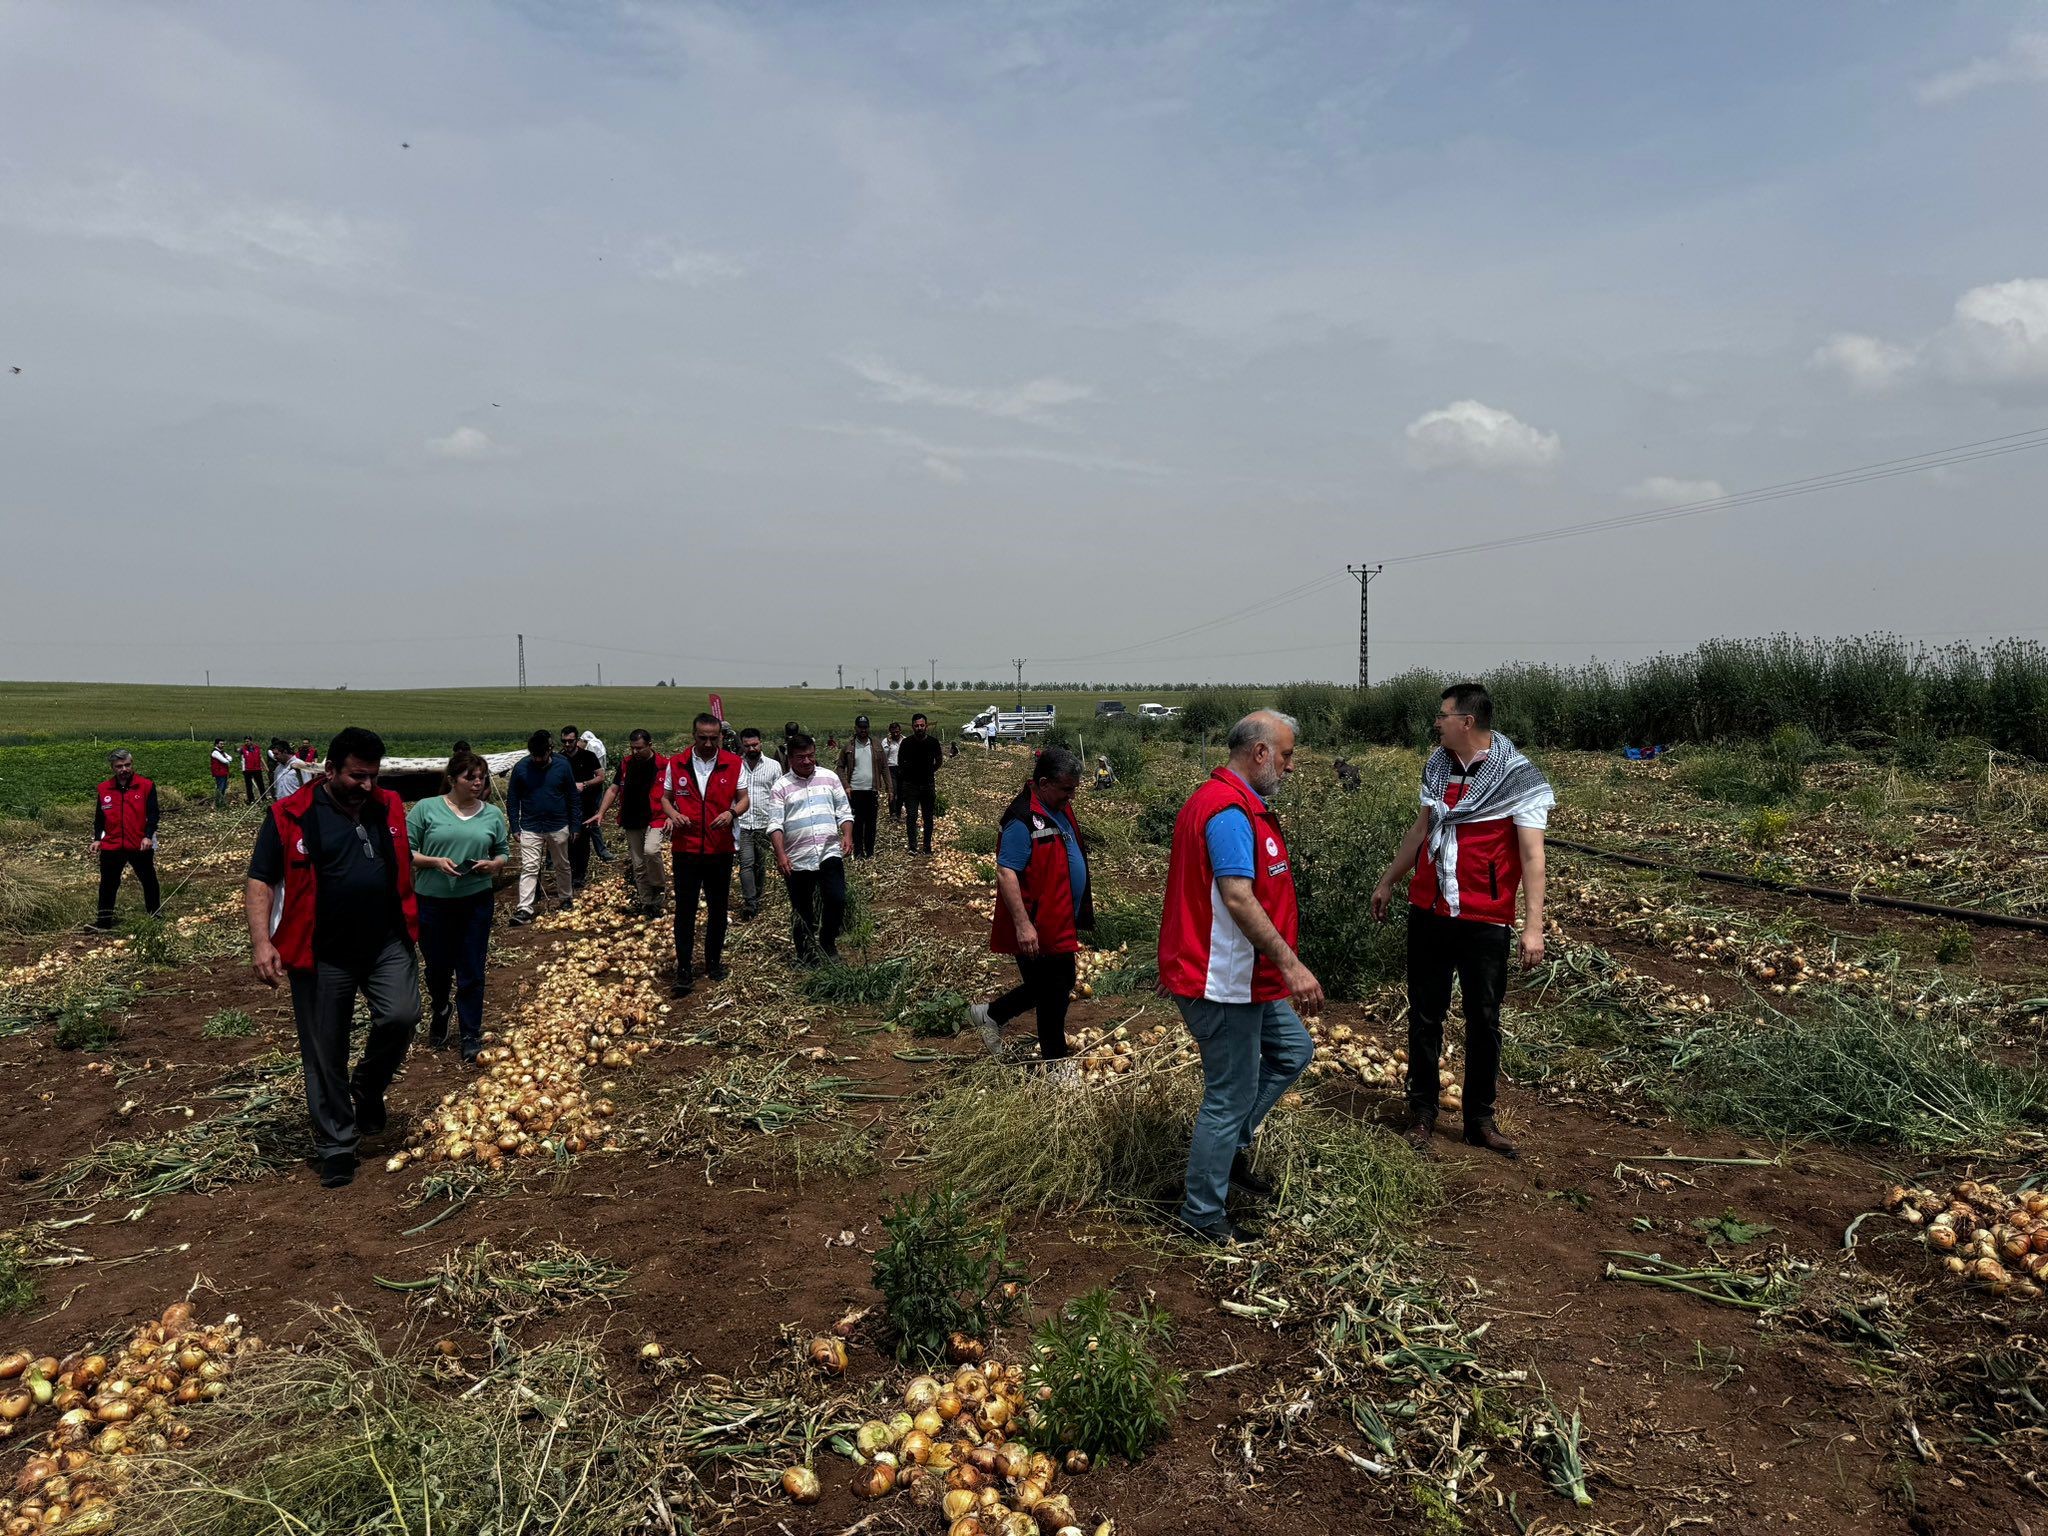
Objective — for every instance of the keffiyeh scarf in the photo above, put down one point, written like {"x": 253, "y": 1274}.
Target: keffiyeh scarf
{"x": 1506, "y": 784}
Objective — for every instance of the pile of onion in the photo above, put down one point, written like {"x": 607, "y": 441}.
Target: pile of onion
{"x": 958, "y": 1447}
{"x": 1342, "y": 1051}
{"x": 591, "y": 1007}
{"x": 107, "y": 1410}
{"x": 1102, "y": 1055}
{"x": 1991, "y": 1239}
{"x": 1091, "y": 965}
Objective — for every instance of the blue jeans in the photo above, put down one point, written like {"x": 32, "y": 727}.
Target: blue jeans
{"x": 1251, "y": 1055}
{"x": 455, "y": 941}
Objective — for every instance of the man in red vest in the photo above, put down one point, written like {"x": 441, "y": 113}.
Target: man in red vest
{"x": 703, "y": 794}
{"x": 255, "y": 782}
{"x": 330, "y": 906}
{"x": 1226, "y": 955}
{"x": 1043, "y": 905}
{"x": 1477, "y": 839}
{"x": 124, "y": 816}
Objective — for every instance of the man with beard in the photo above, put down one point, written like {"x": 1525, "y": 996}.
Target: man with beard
{"x": 330, "y": 905}
{"x": 864, "y": 771}
{"x": 589, "y": 774}
{"x": 1226, "y": 955}
{"x": 124, "y": 817}
{"x": 703, "y": 793}
{"x": 810, "y": 823}
{"x": 758, "y": 775}
{"x": 1478, "y": 837}
{"x": 636, "y": 786}
{"x": 917, "y": 769}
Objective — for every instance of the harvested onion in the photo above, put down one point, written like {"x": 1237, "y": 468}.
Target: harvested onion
{"x": 801, "y": 1484}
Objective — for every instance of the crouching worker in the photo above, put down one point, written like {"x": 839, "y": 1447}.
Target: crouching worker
{"x": 331, "y": 909}
{"x": 1226, "y": 955}
{"x": 1043, "y": 905}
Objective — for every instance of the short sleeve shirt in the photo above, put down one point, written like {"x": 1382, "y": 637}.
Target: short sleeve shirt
{"x": 1013, "y": 849}
{"x": 1229, "y": 835}
{"x": 356, "y": 868}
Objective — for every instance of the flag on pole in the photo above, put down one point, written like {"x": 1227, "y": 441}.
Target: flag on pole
{"x": 718, "y": 708}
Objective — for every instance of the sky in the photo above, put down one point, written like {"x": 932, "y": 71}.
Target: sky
{"x": 742, "y": 344}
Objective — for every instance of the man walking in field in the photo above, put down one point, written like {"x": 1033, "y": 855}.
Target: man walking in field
{"x": 758, "y": 773}
{"x": 1478, "y": 837}
{"x": 331, "y": 909}
{"x": 222, "y": 766}
{"x": 810, "y": 823}
{"x": 636, "y": 786}
{"x": 255, "y": 782}
{"x": 864, "y": 770}
{"x": 589, "y": 774}
{"x": 892, "y": 746}
{"x": 703, "y": 793}
{"x": 124, "y": 817}
{"x": 541, "y": 801}
{"x": 1227, "y": 956}
{"x": 917, "y": 765}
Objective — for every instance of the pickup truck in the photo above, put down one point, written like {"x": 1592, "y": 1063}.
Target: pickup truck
{"x": 1158, "y": 711}
{"x": 1010, "y": 724}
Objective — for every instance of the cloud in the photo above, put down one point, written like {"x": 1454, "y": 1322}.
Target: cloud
{"x": 1030, "y": 401}
{"x": 943, "y": 470}
{"x": 1999, "y": 335}
{"x": 2024, "y": 61}
{"x": 951, "y": 453}
{"x": 1996, "y": 338}
{"x": 1476, "y": 436}
{"x": 1867, "y": 362}
{"x": 464, "y": 443}
{"x": 188, "y": 220}
{"x": 1668, "y": 491}
{"x": 673, "y": 261}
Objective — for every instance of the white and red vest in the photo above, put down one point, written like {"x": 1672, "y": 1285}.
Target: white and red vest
{"x": 1202, "y": 951}
{"x": 694, "y": 833}
{"x": 294, "y": 905}
{"x": 124, "y": 814}
{"x": 1489, "y": 870}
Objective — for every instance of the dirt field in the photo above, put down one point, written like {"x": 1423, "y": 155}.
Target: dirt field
{"x": 1864, "y": 1396}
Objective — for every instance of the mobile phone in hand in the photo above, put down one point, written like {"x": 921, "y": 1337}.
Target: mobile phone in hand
{"x": 466, "y": 867}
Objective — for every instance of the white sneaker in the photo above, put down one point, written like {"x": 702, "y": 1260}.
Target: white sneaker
{"x": 990, "y": 1031}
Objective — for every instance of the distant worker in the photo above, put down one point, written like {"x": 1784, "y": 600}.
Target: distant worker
{"x": 541, "y": 798}
{"x": 222, "y": 766}
{"x": 255, "y": 777}
{"x": 1478, "y": 836}
{"x": 589, "y": 775}
{"x": 864, "y": 771}
{"x": 306, "y": 750}
{"x": 917, "y": 763}
{"x": 750, "y": 834}
{"x": 459, "y": 844}
{"x": 1227, "y": 956}
{"x": 789, "y": 733}
{"x": 124, "y": 816}
{"x": 1347, "y": 776}
{"x": 892, "y": 744}
{"x": 1105, "y": 776}
{"x": 703, "y": 793}
{"x": 636, "y": 786}
{"x": 289, "y": 773}
{"x": 810, "y": 824}
{"x": 331, "y": 908}
{"x": 1044, "y": 903}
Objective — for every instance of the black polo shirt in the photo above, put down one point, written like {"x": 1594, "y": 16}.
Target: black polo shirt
{"x": 356, "y": 869}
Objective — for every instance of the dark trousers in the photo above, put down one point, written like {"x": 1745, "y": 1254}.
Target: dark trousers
{"x": 864, "y": 803}
{"x": 455, "y": 939}
{"x": 807, "y": 887}
{"x": 920, "y": 797}
{"x": 710, "y": 873}
{"x": 254, "y": 786}
{"x": 220, "y": 792}
{"x": 111, "y": 865}
{"x": 324, "y": 1004}
{"x": 1046, "y": 982}
{"x": 579, "y": 855}
{"x": 1476, "y": 954}
{"x": 895, "y": 795}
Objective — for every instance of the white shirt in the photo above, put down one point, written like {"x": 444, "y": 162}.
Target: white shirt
{"x": 759, "y": 783}
{"x": 892, "y": 748}
{"x": 221, "y": 757}
{"x": 290, "y": 779}
{"x": 701, "y": 771}
{"x": 809, "y": 813}
{"x": 1539, "y": 818}
{"x": 863, "y": 764}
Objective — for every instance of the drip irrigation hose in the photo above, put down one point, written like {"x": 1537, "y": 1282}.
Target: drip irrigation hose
{"x": 1817, "y": 892}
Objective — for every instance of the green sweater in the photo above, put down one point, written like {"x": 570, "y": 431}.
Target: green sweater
{"x": 436, "y": 830}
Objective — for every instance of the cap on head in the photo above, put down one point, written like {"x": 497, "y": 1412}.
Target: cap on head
{"x": 860, "y": 720}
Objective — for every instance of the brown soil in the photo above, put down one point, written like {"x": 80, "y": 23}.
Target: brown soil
{"x": 1695, "y": 1415}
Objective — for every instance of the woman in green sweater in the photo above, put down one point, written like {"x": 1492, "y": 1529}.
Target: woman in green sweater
{"x": 458, "y": 844}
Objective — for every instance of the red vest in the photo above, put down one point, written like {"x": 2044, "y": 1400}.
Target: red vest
{"x": 252, "y": 759}
{"x": 1489, "y": 871}
{"x": 293, "y": 905}
{"x": 694, "y": 833}
{"x": 1047, "y": 883}
{"x": 218, "y": 768}
{"x": 1202, "y": 951}
{"x": 124, "y": 814}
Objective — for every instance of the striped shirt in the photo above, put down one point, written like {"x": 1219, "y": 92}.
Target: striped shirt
{"x": 809, "y": 813}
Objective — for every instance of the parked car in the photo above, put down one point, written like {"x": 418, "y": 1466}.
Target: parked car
{"x": 1158, "y": 711}
{"x": 1111, "y": 709}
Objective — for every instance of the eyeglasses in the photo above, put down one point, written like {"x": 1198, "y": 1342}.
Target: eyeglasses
{"x": 1449, "y": 714}
{"x": 369, "y": 848}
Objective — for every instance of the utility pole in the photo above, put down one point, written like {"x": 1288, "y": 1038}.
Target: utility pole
{"x": 1365, "y": 574}
{"x": 1019, "y": 660}
{"x": 842, "y": 677}
{"x": 522, "y": 663}
{"x": 931, "y": 683}
{"x": 209, "y": 677}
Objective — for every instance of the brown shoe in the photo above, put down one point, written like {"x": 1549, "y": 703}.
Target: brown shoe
{"x": 1420, "y": 1129}
{"x": 1484, "y": 1133}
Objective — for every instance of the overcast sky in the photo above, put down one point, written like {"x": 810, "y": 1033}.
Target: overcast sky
{"x": 736, "y": 343}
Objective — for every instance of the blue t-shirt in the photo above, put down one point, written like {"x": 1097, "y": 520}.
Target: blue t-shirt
{"x": 1229, "y": 835}
{"x": 1013, "y": 851}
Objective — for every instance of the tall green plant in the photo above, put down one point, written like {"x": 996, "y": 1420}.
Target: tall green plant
{"x": 941, "y": 1272}
{"x": 1096, "y": 1381}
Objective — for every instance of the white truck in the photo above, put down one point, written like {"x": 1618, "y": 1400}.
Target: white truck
{"x": 1158, "y": 711}
{"x": 1009, "y": 724}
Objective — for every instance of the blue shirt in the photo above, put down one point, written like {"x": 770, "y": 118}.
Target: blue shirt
{"x": 1229, "y": 835}
{"x": 1013, "y": 850}
{"x": 541, "y": 799}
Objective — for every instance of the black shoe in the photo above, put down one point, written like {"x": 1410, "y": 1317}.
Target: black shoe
{"x": 1242, "y": 1175}
{"x": 520, "y": 918}
{"x": 371, "y": 1116}
{"x": 337, "y": 1170}
{"x": 681, "y": 988}
{"x": 437, "y": 1032}
{"x": 748, "y": 914}
{"x": 714, "y": 972}
{"x": 1420, "y": 1128}
{"x": 470, "y": 1054}
{"x": 1220, "y": 1233}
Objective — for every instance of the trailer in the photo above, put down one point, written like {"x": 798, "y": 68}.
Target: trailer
{"x": 1010, "y": 724}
